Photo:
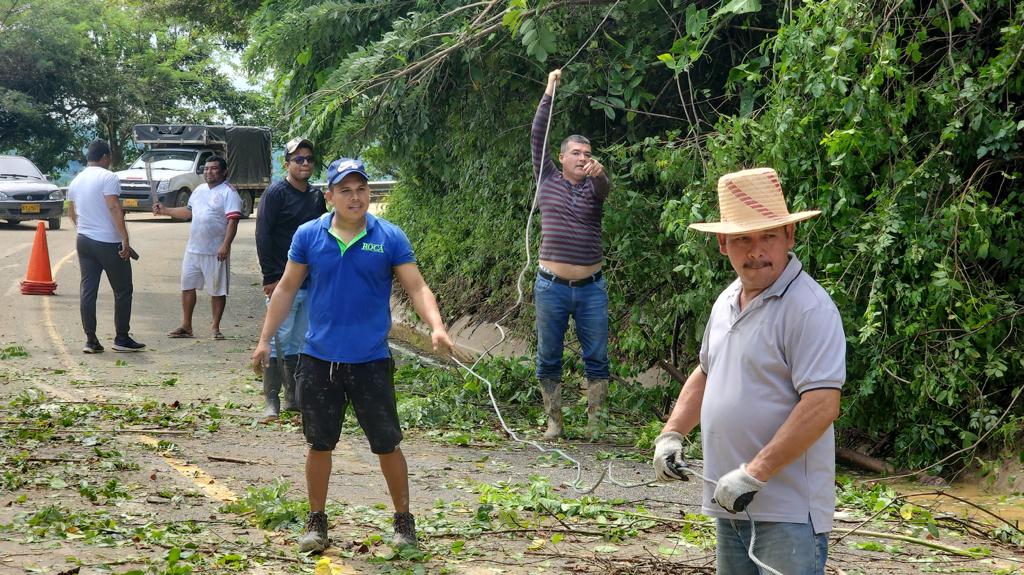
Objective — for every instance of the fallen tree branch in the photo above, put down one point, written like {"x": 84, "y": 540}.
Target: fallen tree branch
{"x": 917, "y": 541}
{"x": 863, "y": 461}
{"x": 232, "y": 460}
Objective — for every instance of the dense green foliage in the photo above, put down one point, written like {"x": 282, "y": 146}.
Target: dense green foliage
{"x": 72, "y": 70}
{"x": 901, "y": 120}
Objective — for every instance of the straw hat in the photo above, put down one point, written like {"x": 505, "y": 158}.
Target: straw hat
{"x": 751, "y": 201}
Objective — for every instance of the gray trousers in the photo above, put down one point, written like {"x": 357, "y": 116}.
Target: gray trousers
{"x": 94, "y": 258}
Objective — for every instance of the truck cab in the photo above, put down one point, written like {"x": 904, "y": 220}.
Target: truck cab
{"x": 176, "y": 155}
{"x": 177, "y": 172}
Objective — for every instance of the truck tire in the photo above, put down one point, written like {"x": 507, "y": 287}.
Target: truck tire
{"x": 54, "y": 223}
{"x": 181, "y": 198}
{"x": 247, "y": 203}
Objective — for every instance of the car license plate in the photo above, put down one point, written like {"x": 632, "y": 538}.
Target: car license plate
{"x": 30, "y": 208}
{"x": 129, "y": 203}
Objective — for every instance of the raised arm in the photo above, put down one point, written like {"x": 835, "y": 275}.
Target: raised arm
{"x": 540, "y": 125}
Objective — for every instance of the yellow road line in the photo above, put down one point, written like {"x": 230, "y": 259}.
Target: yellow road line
{"x": 203, "y": 480}
{"x": 51, "y": 329}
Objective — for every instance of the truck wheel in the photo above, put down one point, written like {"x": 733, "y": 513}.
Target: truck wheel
{"x": 54, "y": 223}
{"x": 247, "y": 203}
{"x": 181, "y": 199}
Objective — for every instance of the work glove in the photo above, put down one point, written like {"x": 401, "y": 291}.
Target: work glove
{"x": 668, "y": 457}
{"x": 736, "y": 488}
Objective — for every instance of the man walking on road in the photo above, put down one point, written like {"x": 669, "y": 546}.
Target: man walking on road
{"x": 214, "y": 208}
{"x": 569, "y": 281}
{"x": 350, "y": 258}
{"x": 285, "y": 206}
{"x": 772, "y": 364}
{"x": 102, "y": 246}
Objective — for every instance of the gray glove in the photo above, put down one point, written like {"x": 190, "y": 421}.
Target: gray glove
{"x": 668, "y": 457}
{"x": 736, "y": 489}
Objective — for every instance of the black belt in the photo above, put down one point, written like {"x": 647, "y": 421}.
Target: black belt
{"x": 571, "y": 283}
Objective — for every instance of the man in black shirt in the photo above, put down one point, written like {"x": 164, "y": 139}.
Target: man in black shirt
{"x": 285, "y": 206}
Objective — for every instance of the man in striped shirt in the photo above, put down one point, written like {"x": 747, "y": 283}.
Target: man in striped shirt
{"x": 569, "y": 281}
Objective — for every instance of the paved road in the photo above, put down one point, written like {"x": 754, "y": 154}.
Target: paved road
{"x": 51, "y": 325}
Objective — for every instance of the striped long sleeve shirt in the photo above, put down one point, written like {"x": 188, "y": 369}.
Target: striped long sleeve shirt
{"x": 570, "y": 214}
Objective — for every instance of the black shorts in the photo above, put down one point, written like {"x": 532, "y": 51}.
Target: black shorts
{"x": 324, "y": 389}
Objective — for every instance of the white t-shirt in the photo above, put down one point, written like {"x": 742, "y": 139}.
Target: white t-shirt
{"x": 211, "y": 210}
{"x": 789, "y": 340}
{"x": 88, "y": 193}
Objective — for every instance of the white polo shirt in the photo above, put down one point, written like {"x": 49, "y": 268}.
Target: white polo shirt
{"x": 88, "y": 192}
{"x": 789, "y": 340}
{"x": 211, "y": 210}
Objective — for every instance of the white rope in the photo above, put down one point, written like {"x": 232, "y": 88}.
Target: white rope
{"x": 576, "y": 486}
{"x": 753, "y": 529}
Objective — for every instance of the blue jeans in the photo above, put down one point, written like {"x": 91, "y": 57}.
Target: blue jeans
{"x": 292, "y": 333}
{"x": 789, "y": 548}
{"x": 588, "y": 307}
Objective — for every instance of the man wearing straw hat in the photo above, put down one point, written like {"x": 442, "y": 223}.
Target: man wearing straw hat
{"x": 772, "y": 363}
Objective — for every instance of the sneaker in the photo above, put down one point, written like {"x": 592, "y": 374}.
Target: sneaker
{"x": 405, "y": 530}
{"x": 92, "y": 346}
{"x": 315, "y": 538}
{"x": 126, "y": 343}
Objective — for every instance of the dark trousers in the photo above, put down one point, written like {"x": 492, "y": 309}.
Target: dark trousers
{"x": 94, "y": 258}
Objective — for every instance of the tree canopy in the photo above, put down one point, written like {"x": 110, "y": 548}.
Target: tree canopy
{"x": 72, "y": 70}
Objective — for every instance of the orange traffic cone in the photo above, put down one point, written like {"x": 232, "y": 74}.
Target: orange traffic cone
{"x": 38, "y": 280}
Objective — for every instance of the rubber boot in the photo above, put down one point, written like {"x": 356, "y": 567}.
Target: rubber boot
{"x": 551, "y": 391}
{"x": 271, "y": 389}
{"x": 290, "y": 404}
{"x": 597, "y": 413}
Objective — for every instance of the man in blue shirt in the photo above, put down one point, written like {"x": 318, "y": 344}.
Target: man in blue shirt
{"x": 350, "y": 258}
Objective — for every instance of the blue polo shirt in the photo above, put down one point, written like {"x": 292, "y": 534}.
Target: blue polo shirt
{"x": 349, "y": 287}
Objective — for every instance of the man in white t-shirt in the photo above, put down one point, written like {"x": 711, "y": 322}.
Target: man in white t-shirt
{"x": 772, "y": 364}
{"x": 102, "y": 246}
{"x": 214, "y": 208}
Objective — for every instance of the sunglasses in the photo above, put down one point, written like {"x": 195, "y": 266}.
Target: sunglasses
{"x": 302, "y": 159}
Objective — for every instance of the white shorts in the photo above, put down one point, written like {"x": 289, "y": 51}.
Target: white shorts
{"x": 203, "y": 270}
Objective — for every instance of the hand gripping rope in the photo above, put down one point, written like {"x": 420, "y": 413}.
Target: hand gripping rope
{"x": 606, "y": 474}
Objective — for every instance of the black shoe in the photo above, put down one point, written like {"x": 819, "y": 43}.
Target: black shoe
{"x": 405, "y": 530}
{"x": 92, "y": 346}
{"x": 314, "y": 539}
{"x": 126, "y": 343}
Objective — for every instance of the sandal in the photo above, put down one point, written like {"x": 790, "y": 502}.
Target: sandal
{"x": 218, "y": 335}
{"x": 180, "y": 332}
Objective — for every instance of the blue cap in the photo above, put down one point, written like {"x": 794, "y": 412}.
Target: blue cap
{"x": 342, "y": 167}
